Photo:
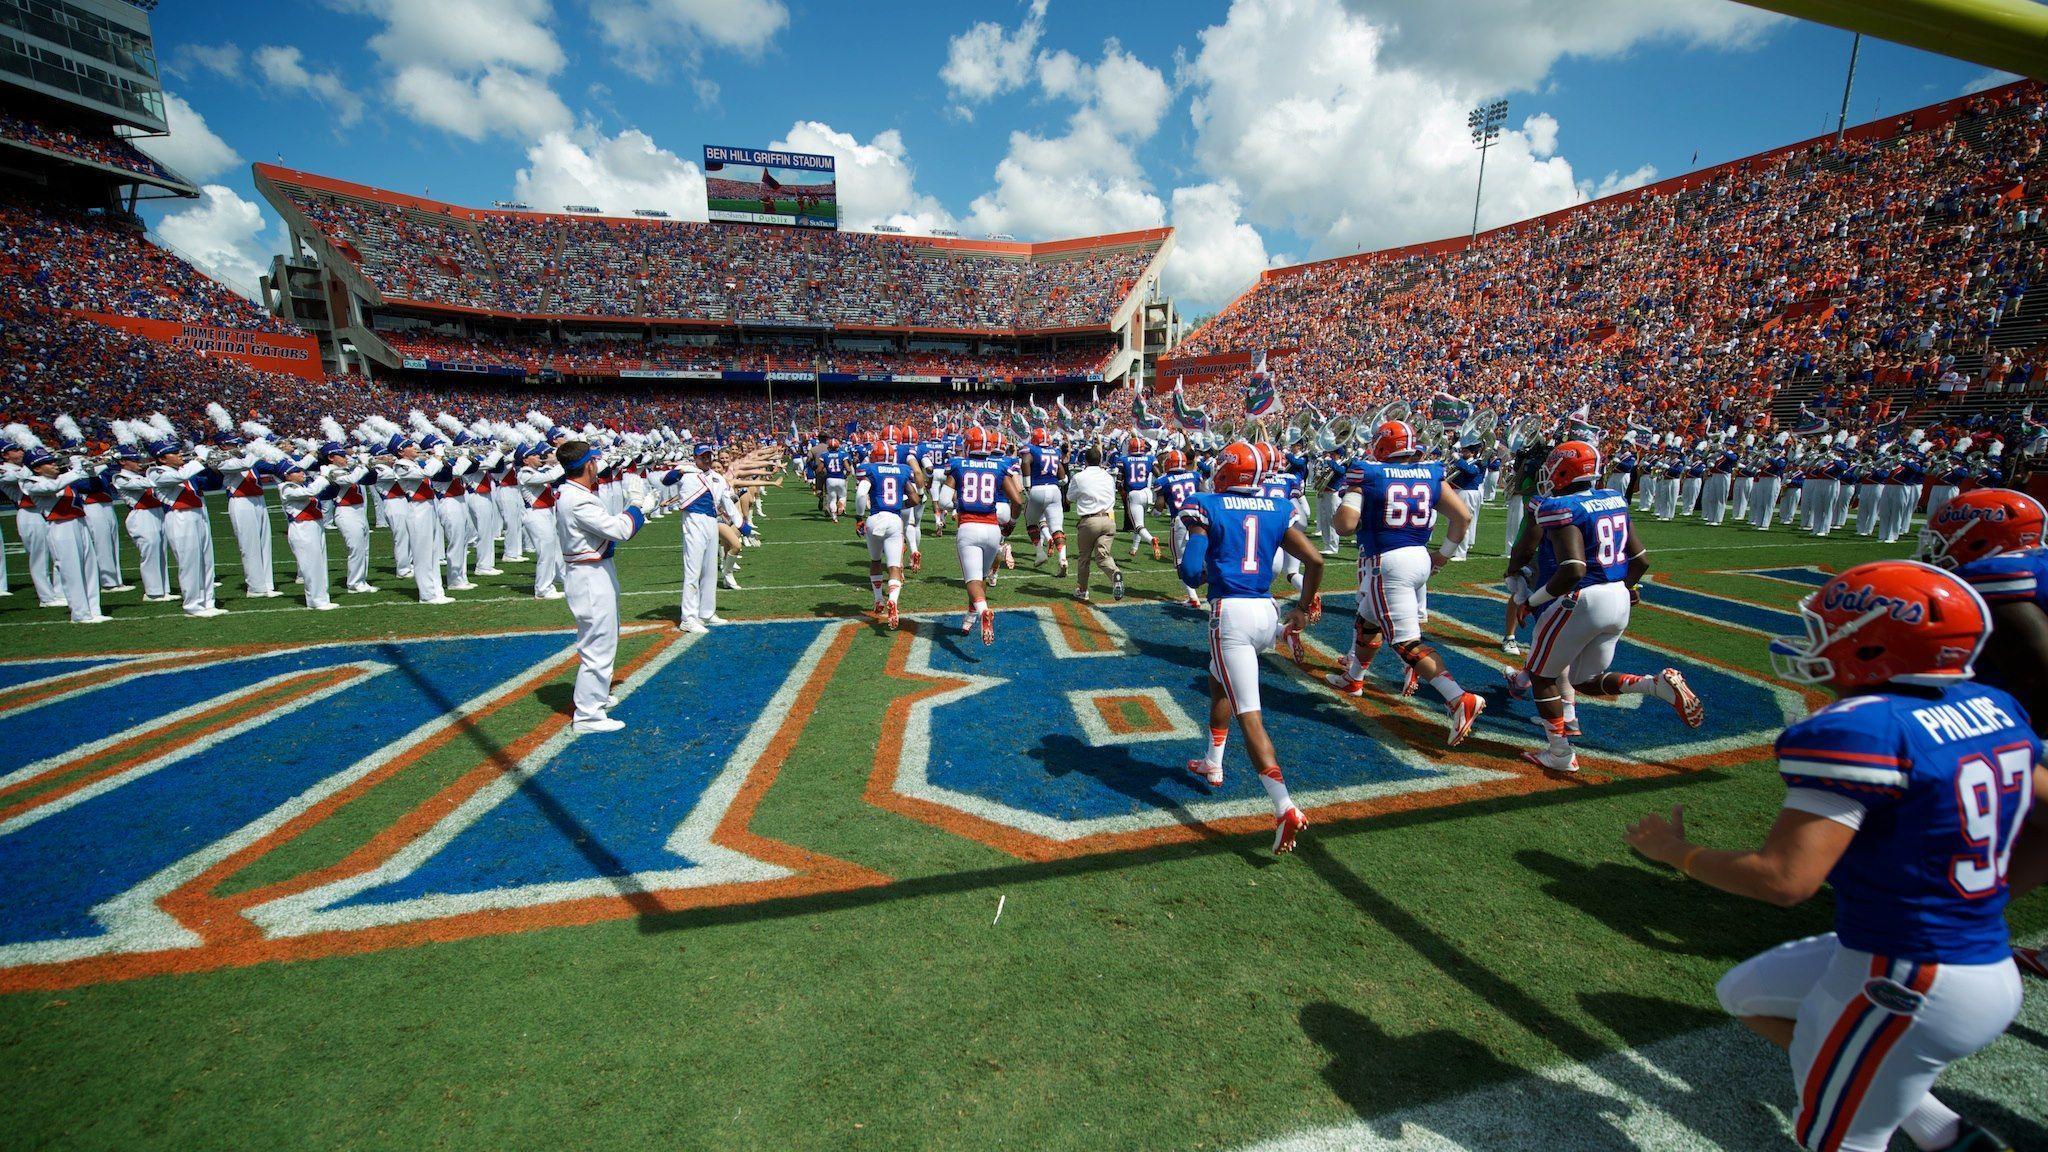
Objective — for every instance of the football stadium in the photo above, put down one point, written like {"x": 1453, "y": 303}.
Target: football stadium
{"x": 442, "y": 710}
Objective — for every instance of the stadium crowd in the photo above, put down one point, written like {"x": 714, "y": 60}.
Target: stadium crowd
{"x": 537, "y": 264}
{"x": 598, "y": 356}
{"x": 112, "y": 151}
{"x": 1876, "y": 268}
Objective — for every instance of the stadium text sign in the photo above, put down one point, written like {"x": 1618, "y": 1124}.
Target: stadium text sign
{"x": 269, "y": 351}
{"x": 761, "y": 186}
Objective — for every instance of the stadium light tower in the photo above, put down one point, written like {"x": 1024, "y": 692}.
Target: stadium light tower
{"x": 1485, "y": 122}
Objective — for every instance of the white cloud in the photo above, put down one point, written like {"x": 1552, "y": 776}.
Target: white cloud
{"x": 876, "y": 182}
{"x": 223, "y": 235}
{"x": 191, "y": 150}
{"x": 1618, "y": 182}
{"x": 224, "y": 59}
{"x": 1509, "y": 45}
{"x": 988, "y": 60}
{"x": 616, "y": 173}
{"x": 1215, "y": 253}
{"x": 652, "y": 36}
{"x": 476, "y": 68}
{"x": 1989, "y": 80}
{"x": 1087, "y": 179}
{"x": 1298, "y": 102}
{"x": 284, "y": 67}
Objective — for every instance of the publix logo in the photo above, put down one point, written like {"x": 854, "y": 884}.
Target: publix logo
{"x": 1866, "y": 598}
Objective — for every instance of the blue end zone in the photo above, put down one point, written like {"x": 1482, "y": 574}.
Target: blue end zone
{"x": 605, "y": 806}
{"x": 20, "y": 672}
{"x": 1768, "y": 621}
{"x": 57, "y": 869}
{"x": 1808, "y": 575}
{"x": 1021, "y": 743}
{"x": 1739, "y": 711}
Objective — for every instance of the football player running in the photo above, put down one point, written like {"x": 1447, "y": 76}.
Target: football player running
{"x": 977, "y": 484}
{"x": 1045, "y": 512}
{"x": 1175, "y": 483}
{"x": 886, "y": 488}
{"x": 1391, "y": 502}
{"x": 1911, "y": 796}
{"x": 1230, "y": 534}
{"x": 1134, "y": 476}
{"x": 1587, "y": 567}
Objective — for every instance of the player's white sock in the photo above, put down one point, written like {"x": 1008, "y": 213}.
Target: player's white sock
{"x": 1932, "y": 1124}
{"x": 980, "y": 606}
{"x": 1218, "y": 737}
{"x": 1571, "y": 711}
{"x": 895, "y": 587}
{"x": 1295, "y": 579}
{"x": 1553, "y": 729}
{"x": 875, "y": 586}
{"x": 1276, "y": 790}
{"x": 1447, "y": 687}
{"x": 1190, "y": 592}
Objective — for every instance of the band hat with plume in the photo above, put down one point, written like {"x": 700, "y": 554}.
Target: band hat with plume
{"x": 69, "y": 434}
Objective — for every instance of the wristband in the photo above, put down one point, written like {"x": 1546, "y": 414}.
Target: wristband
{"x": 1685, "y": 865}
{"x": 1541, "y": 596}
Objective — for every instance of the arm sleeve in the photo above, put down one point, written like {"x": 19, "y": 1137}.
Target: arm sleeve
{"x": 594, "y": 520}
{"x": 1826, "y": 805}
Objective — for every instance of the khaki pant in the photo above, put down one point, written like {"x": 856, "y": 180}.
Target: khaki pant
{"x": 1098, "y": 537}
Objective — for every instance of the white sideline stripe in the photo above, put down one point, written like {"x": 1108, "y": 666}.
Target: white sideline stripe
{"x": 363, "y": 669}
{"x": 162, "y": 722}
{"x": 312, "y": 911}
{"x": 134, "y": 922}
{"x": 1717, "y": 1089}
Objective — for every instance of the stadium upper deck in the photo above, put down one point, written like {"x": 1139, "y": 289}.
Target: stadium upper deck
{"x": 1891, "y": 269}
{"x": 402, "y": 251}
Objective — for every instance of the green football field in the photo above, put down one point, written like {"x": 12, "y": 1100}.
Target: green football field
{"x": 285, "y": 879}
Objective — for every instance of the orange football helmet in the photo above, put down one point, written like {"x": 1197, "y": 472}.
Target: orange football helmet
{"x": 879, "y": 454}
{"x": 1571, "y": 462}
{"x": 1981, "y": 523}
{"x": 1391, "y": 439}
{"x": 1172, "y": 461}
{"x": 1238, "y": 466}
{"x": 980, "y": 441}
{"x": 1040, "y": 437}
{"x": 1884, "y": 620}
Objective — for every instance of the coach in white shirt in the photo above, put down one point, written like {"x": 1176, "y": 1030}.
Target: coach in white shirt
{"x": 1092, "y": 493}
{"x": 589, "y": 534}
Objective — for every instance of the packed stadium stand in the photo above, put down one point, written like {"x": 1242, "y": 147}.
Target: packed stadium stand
{"x": 510, "y": 288}
{"x": 1885, "y": 275}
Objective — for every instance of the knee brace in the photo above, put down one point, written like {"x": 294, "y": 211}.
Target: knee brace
{"x": 1032, "y": 532}
{"x": 1059, "y": 539}
{"x": 1414, "y": 652}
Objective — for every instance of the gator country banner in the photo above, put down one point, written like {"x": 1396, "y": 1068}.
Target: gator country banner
{"x": 269, "y": 351}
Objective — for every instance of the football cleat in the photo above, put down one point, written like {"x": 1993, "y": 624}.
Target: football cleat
{"x": 1571, "y": 727}
{"x": 1286, "y": 828}
{"x": 1971, "y": 1138}
{"x": 894, "y": 614}
{"x": 1409, "y": 681}
{"x": 1116, "y": 586}
{"x": 1009, "y": 557}
{"x": 1344, "y": 684}
{"x": 1063, "y": 570}
{"x": 1511, "y": 646}
{"x": 1193, "y": 601}
{"x": 1464, "y": 714}
{"x": 1518, "y": 685}
{"x": 1211, "y": 775}
{"x": 602, "y": 724}
{"x": 988, "y": 626}
{"x": 1684, "y": 700}
{"x": 917, "y": 561}
{"x": 1295, "y": 648}
{"x": 2032, "y": 961}
{"x": 1155, "y": 549}
{"x": 1544, "y": 760}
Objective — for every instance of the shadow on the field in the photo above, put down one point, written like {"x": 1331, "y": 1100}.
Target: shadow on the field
{"x": 1119, "y": 771}
{"x": 2019, "y": 1131}
{"x": 1660, "y": 911}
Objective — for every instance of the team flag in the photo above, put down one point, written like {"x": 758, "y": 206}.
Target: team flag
{"x": 1447, "y": 409}
{"x": 1191, "y": 416}
{"x": 1262, "y": 394}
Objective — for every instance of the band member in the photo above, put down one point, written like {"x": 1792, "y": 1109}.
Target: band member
{"x": 588, "y": 535}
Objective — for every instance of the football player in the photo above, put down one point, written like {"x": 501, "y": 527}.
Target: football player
{"x": 1230, "y": 534}
{"x": 1045, "y": 513}
{"x": 1910, "y": 795}
{"x": 977, "y": 484}
{"x": 1134, "y": 476}
{"x": 833, "y": 465}
{"x": 1587, "y": 565}
{"x": 1391, "y": 502}
{"x": 1175, "y": 483}
{"x": 885, "y": 489}
{"x": 1993, "y": 538}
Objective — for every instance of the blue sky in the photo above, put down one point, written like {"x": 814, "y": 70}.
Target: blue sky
{"x": 1263, "y": 130}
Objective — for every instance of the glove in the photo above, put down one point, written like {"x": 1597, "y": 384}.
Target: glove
{"x": 860, "y": 527}
{"x": 202, "y": 453}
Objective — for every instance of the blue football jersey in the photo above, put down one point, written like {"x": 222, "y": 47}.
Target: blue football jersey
{"x": 978, "y": 485}
{"x": 1601, "y": 518}
{"x": 2014, "y": 578}
{"x": 1282, "y": 486}
{"x": 1398, "y": 504}
{"x": 1044, "y": 460}
{"x": 833, "y": 463}
{"x": 1176, "y": 487}
{"x": 1945, "y": 778}
{"x": 888, "y": 486}
{"x": 1135, "y": 471}
{"x": 1244, "y": 532}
